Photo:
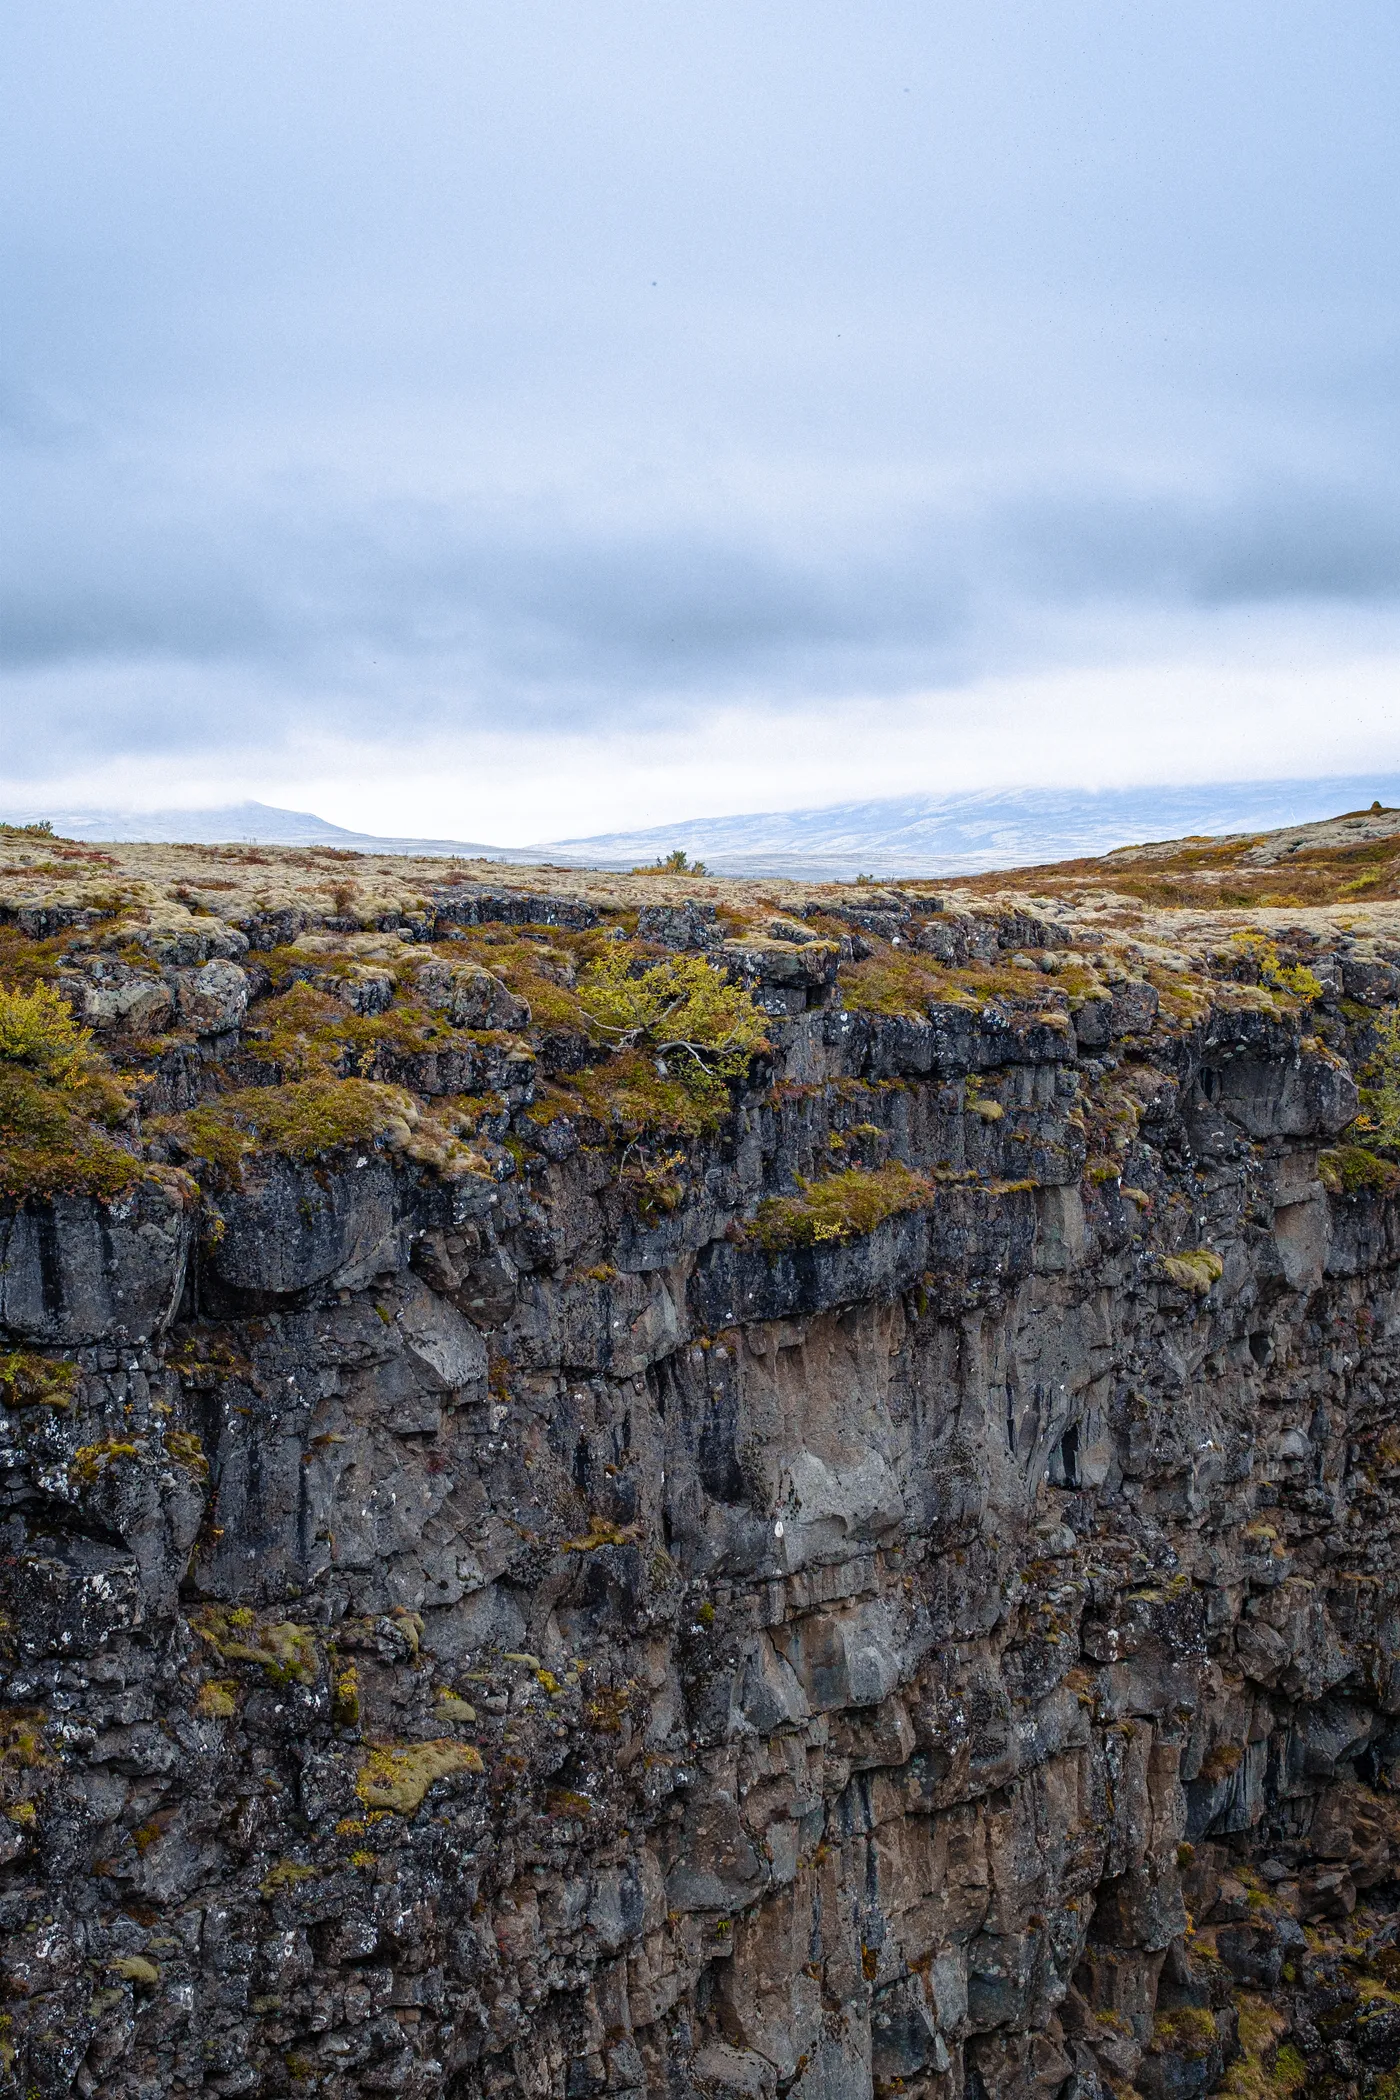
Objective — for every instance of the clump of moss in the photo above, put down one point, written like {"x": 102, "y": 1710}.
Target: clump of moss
{"x": 218, "y": 1699}
{"x": 287, "y": 1874}
{"x": 204, "y": 1360}
{"x": 656, "y": 1185}
{"x": 58, "y": 1099}
{"x": 134, "y": 1968}
{"x": 1266, "y": 2068}
{"x": 1195, "y": 1270}
{"x": 539, "y": 966}
{"x": 1348, "y": 1169}
{"x": 185, "y": 1448}
{"x": 285, "y": 1650}
{"x": 305, "y": 1033}
{"x": 1293, "y": 979}
{"x": 90, "y": 1461}
{"x": 1379, "y": 1120}
{"x": 898, "y": 985}
{"x": 304, "y": 1120}
{"x": 27, "y": 1380}
{"x": 601, "y": 1532}
{"x": 397, "y": 1777}
{"x": 450, "y": 1708}
{"x": 1221, "y": 1761}
{"x": 1186, "y": 2030}
{"x": 345, "y": 1696}
{"x": 889, "y": 982}
{"x": 839, "y": 1207}
{"x": 629, "y": 1096}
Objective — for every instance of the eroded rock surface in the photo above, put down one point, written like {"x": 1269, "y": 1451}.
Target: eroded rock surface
{"x": 523, "y": 1632}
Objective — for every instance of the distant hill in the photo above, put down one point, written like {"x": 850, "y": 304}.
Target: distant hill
{"x": 969, "y": 833}
{"x": 963, "y": 834}
{"x": 257, "y": 823}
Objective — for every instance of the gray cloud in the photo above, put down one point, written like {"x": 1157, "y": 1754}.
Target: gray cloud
{"x": 558, "y": 367}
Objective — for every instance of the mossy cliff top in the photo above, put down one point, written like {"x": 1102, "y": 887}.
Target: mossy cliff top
{"x": 204, "y": 1004}
{"x": 1346, "y": 868}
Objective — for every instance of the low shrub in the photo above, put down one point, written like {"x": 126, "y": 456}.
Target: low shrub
{"x": 683, "y": 1011}
{"x": 59, "y": 1098}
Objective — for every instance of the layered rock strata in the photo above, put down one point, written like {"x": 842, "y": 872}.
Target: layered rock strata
{"x": 582, "y": 1618}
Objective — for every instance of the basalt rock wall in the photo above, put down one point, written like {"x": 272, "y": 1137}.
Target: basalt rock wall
{"x": 512, "y": 1636}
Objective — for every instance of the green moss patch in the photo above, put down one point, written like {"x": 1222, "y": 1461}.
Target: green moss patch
{"x": 90, "y": 1461}
{"x": 629, "y": 1095}
{"x": 36, "y": 1381}
{"x": 304, "y": 1120}
{"x": 398, "y": 1776}
{"x": 1349, "y": 1169}
{"x": 285, "y": 1650}
{"x": 307, "y": 1033}
{"x": 185, "y": 1448}
{"x": 839, "y": 1207}
{"x": 889, "y": 982}
{"x": 1195, "y": 1270}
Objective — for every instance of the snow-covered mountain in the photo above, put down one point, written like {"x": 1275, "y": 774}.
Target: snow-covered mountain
{"x": 991, "y": 828}
{"x": 256, "y": 823}
{"x": 894, "y": 835}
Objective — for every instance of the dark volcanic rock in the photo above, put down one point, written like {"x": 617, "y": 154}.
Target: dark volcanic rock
{"x": 514, "y": 1624}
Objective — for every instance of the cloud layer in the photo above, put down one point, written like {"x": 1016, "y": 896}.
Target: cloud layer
{"x": 540, "y": 412}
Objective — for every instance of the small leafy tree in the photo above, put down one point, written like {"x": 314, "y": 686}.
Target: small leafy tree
{"x": 58, "y": 1096}
{"x": 695, "y": 1025}
{"x": 678, "y": 862}
{"x": 37, "y": 1029}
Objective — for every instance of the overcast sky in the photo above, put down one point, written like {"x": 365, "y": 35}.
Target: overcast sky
{"x": 514, "y": 420}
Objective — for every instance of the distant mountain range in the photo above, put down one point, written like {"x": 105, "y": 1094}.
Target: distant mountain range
{"x": 990, "y": 828}
{"x": 895, "y": 835}
{"x": 249, "y": 823}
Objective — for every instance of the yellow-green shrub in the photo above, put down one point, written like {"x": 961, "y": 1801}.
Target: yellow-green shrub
{"x": 58, "y": 1098}
{"x": 683, "y": 1010}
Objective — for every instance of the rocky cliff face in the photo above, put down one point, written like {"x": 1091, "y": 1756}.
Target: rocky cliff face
{"x": 885, "y": 1585}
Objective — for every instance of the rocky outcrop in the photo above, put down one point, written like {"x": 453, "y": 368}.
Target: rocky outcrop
{"x": 540, "y": 1630}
